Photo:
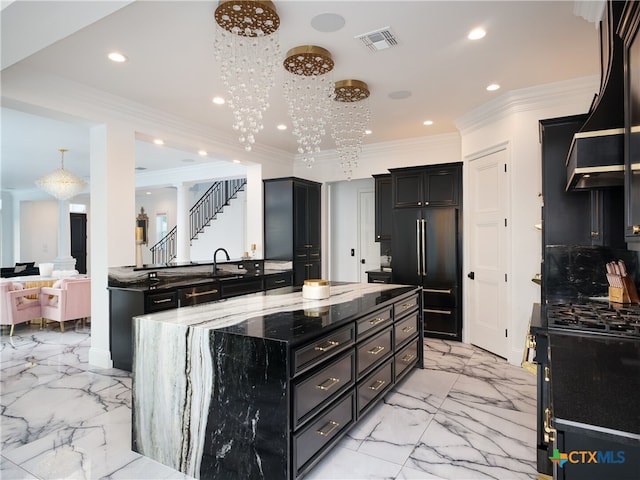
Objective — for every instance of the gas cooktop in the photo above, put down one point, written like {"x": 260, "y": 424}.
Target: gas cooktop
{"x": 595, "y": 318}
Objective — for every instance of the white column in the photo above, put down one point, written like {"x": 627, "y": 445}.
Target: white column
{"x": 183, "y": 230}
{"x": 254, "y": 210}
{"x": 64, "y": 260}
{"x": 112, "y": 223}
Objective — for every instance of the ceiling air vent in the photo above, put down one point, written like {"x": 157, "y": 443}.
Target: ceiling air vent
{"x": 379, "y": 39}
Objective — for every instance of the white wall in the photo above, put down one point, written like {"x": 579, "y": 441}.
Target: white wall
{"x": 160, "y": 201}
{"x": 38, "y": 231}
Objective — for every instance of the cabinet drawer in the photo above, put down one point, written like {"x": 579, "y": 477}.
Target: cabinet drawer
{"x": 322, "y": 349}
{"x": 309, "y": 442}
{"x": 439, "y": 297}
{"x": 373, "y": 323}
{"x": 233, "y": 288}
{"x": 406, "y": 328}
{"x": 382, "y": 277}
{"x": 406, "y": 358}
{"x": 199, "y": 294}
{"x": 374, "y": 351}
{"x": 322, "y": 386}
{"x": 404, "y": 306}
{"x": 278, "y": 281}
{"x": 157, "y": 302}
{"x": 375, "y": 385}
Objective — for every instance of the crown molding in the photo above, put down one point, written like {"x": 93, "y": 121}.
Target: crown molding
{"x": 527, "y": 99}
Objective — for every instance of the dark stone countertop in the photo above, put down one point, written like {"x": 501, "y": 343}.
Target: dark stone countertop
{"x": 595, "y": 382}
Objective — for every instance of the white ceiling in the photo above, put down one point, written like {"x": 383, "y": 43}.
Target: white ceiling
{"x": 171, "y": 65}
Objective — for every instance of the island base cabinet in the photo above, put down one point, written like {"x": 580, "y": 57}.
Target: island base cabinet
{"x": 326, "y": 430}
{"x": 374, "y": 386}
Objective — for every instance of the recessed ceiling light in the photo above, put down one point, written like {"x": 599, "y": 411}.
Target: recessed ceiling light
{"x": 427, "y": 122}
{"x": 281, "y": 127}
{"x": 117, "y": 57}
{"x": 368, "y": 132}
{"x": 476, "y": 34}
{"x": 202, "y": 153}
{"x": 236, "y": 161}
{"x": 218, "y": 100}
{"x": 148, "y": 193}
{"x": 158, "y": 141}
{"x": 400, "y": 94}
{"x": 493, "y": 87}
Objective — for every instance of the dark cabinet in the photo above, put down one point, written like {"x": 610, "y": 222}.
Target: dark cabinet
{"x": 378, "y": 276}
{"x": 630, "y": 24}
{"x": 384, "y": 207}
{"x": 292, "y": 229}
{"x": 426, "y": 186}
{"x": 586, "y": 217}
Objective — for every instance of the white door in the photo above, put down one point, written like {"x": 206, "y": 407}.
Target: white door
{"x": 369, "y": 254}
{"x": 487, "y": 290}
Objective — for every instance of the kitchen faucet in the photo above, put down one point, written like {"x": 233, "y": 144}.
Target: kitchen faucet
{"x": 215, "y": 268}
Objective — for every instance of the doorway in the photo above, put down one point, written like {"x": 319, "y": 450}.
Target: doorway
{"x": 488, "y": 251}
{"x": 78, "y": 223}
{"x": 369, "y": 249}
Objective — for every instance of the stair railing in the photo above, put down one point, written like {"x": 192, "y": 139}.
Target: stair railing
{"x": 201, "y": 214}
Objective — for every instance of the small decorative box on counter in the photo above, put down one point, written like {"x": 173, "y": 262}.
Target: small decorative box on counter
{"x": 315, "y": 289}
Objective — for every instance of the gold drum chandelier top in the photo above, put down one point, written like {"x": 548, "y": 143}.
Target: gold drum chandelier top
{"x": 351, "y": 91}
{"x": 247, "y": 18}
{"x": 308, "y": 60}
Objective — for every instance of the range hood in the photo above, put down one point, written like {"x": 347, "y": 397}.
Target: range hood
{"x": 596, "y": 155}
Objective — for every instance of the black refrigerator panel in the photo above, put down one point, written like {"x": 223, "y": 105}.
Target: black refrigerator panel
{"x": 425, "y": 247}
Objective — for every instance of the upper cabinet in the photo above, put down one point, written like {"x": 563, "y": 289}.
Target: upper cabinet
{"x": 426, "y": 186}
{"x": 384, "y": 207}
{"x": 629, "y": 27}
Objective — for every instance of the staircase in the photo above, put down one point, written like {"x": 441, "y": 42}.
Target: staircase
{"x": 203, "y": 212}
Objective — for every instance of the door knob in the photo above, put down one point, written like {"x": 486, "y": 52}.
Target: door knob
{"x": 363, "y": 261}
{"x": 471, "y": 275}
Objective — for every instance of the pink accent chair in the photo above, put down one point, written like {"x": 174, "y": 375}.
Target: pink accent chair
{"x": 68, "y": 299}
{"x": 16, "y": 307}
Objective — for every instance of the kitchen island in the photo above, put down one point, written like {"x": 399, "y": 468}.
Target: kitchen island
{"x": 263, "y": 385}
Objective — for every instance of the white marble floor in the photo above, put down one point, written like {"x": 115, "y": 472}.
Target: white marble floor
{"x": 467, "y": 415}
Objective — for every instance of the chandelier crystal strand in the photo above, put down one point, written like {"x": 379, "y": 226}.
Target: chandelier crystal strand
{"x": 351, "y": 115}
{"x": 248, "y": 51}
{"x": 308, "y": 89}
{"x": 61, "y": 183}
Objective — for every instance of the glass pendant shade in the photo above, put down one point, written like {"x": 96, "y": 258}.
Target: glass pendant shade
{"x": 248, "y": 51}
{"x": 308, "y": 90}
{"x": 351, "y": 115}
{"x": 61, "y": 183}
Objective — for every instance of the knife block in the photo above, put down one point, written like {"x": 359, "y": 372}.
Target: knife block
{"x": 625, "y": 294}
{"x": 618, "y": 295}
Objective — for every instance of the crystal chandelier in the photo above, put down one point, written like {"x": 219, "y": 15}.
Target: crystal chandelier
{"x": 248, "y": 51}
{"x": 308, "y": 90}
{"x": 61, "y": 183}
{"x": 350, "y": 120}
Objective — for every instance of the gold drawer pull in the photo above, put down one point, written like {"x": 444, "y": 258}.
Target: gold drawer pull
{"x": 190, "y": 295}
{"x": 437, "y": 290}
{"x": 376, "y": 321}
{"x": 547, "y": 377}
{"x": 408, "y": 329}
{"x": 433, "y": 310}
{"x": 408, "y": 357}
{"x": 279, "y": 281}
{"x": 164, "y": 300}
{"x": 407, "y": 306}
{"x": 328, "y": 383}
{"x": 379, "y": 281}
{"x": 327, "y": 346}
{"x": 376, "y": 350}
{"x": 377, "y": 385}
{"x": 329, "y": 427}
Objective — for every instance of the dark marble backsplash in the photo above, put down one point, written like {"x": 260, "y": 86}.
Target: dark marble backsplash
{"x": 574, "y": 272}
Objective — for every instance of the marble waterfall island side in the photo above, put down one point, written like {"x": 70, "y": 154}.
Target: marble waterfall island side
{"x": 215, "y": 385}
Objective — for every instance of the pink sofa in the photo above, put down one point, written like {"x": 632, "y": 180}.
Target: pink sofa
{"x": 15, "y": 306}
{"x": 68, "y": 299}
